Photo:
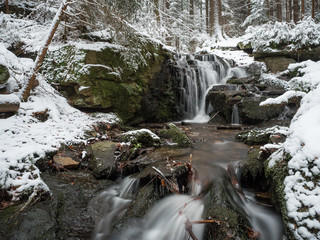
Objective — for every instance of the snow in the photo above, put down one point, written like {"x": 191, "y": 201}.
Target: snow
{"x": 302, "y": 185}
{"x": 25, "y": 139}
{"x": 9, "y": 98}
{"x": 284, "y": 98}
{"x": 141, "y": 131}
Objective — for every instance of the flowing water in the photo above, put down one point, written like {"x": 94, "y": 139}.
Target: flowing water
{"x": 197, "y": 76}
{"x": 214, "y": 157}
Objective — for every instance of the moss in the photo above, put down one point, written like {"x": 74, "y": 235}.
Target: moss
{"x": 253, "y": 137}
{"x": 253, "y": 167}
{"x": 4, "y": 74}
{"x": 173, "y": 132}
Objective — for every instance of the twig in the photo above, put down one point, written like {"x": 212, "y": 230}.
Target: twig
{"x": 189, "y": 229}
{"x": 213, "y": 117}
{"x": 172, "y": 186}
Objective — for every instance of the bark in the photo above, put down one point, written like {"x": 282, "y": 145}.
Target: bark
{"x": 271, "y": 8}
{"x": 7, "y": 6}
{"x": 313, "y": 9}
{"x": 220, "y": 15}
{"x": 191, "y": 10}
{"x": 296, "y": 11}
{"x": 290, "y": 10}
{"x": 32, "y": 83}
{"x": 212, "y": 17}
{"x": 287, "y": 11}
{"x": 279, "y": 10}
{"x": 207, "y": 15}
{"x": 302, "y": 9}
{"x": 268, "y": 8}
{"x": 156, "y": 11}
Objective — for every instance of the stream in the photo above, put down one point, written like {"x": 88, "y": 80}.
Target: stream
{"x": 215, "y": 175}
{"x": 214, "y": 155}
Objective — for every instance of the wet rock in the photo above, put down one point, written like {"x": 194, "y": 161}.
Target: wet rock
{"x": 239, "y": 81}
{"x": 63, "y": 216}
{"x": 177, "y": 136}
{"x": 224, "y": 204}
{"x": 103, "y": 161}
{"x": 143, "y": 137}
{"x": 252, "y": 168}
{"x": 278, "y": 64}
{"x": 254, "y": 137}
{"x": 250, "y": 112}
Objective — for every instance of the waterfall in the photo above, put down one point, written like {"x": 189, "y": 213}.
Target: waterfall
{"x": 110, "y": 205}
{"x": 197, "y": 76}
{"x": 235, "y": 119}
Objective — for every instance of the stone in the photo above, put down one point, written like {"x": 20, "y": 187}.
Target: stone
{"x": 171, "y": 131}
{"x": 102, "y": 160}
{"x": 9, "y": 103}
{"x": 66, "y": 162}
{"x": 4, "y": 74}
{"x": 278, "y": 64}
{"x": 142, "y": 137}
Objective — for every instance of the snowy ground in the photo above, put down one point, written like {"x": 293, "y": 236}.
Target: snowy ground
{"x": 302, "y": 185}
{"x": 25, "y": 139}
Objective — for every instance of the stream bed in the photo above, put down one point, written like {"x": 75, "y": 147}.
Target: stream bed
{"x": 214, "y": 160}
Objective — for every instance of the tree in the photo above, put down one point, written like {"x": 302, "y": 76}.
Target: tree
{"x": 279, "y": 10}
{"x": 295, "y": 11}
{"x": 212, "y": 17}
{"x": 7, "y": 6}
{"x": 313, "y": 9}
{"x": 32, "y": 83}
{"x": 302, "y": 9}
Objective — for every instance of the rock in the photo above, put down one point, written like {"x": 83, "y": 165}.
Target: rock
{"x": 174, "y": 133}
{"x": 223, "y": 205}
{"x": 250, "y": 112}
{"x": 103, "y": 161}
{"x": 255, "y": 69}
{"x": 239, "y": 81}
{"x": 252, "y": 169}
{"x": 9, "y": 103}
{"x": 245, "y": 47}
{"x": 278, "y": 64}
{"x": 4, "y": 74}
{"x": 66, "y": 162}
{"x": 254, "y": 137}
{"x": 142, "y": 137}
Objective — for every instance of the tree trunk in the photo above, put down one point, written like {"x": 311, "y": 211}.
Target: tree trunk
{"x": 271, "y": 9}
{"x": 32, "y": 83}
{"x": 268, "y": 8}
{"x": 156, "y": 11}
{"x": 207, "y": 15}
{"x": 220, "y": 15}
{"x": 295, "y": 11}
{"x": 212, "y": 17}
{"x": 290, "y": 10}
{"x": 279, "y": 10}
{"x": 313, "y": 9}
{"x": 191, "y": 10}
{"x": 302, "y": 9}
{"x": 7, "y": 6}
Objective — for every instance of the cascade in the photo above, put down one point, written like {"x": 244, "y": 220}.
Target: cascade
{"x": 197, "y": 76}
{"x": 235, "y": 119}
{"x": 110, "y": 205}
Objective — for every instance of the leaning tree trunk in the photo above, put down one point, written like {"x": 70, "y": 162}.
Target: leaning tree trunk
{"x": 313, "y": 9}
{"x": 32, "y": 83}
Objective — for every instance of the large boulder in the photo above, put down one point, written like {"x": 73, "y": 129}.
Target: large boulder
{"x": 278, "y": 64}
{"x": 134, "y": 82}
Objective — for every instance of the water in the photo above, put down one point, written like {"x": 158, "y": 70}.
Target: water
{"x": 235, "y": 119}
{"x": 197, "y": 77}
{"x": 110, "y": 205}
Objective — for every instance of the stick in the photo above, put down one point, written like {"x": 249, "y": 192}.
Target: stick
{"x": 213, "y": 117}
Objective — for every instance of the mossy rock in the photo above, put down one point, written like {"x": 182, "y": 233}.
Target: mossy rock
{"x": 254, "y": 137}
{"x": 4, "y": 74}
{"x": 222, "y": 204}
{"x": 278, "y": 64}
{"x": 102, "y": 160}
{"x": 252, "y": 168}
{"x": 142, "y": 137}
{"x": 174, "y": 133}
{"x": 245, "y": 47}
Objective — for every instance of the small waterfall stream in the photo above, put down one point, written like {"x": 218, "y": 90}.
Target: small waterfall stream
{"x": 197, "y": 76}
